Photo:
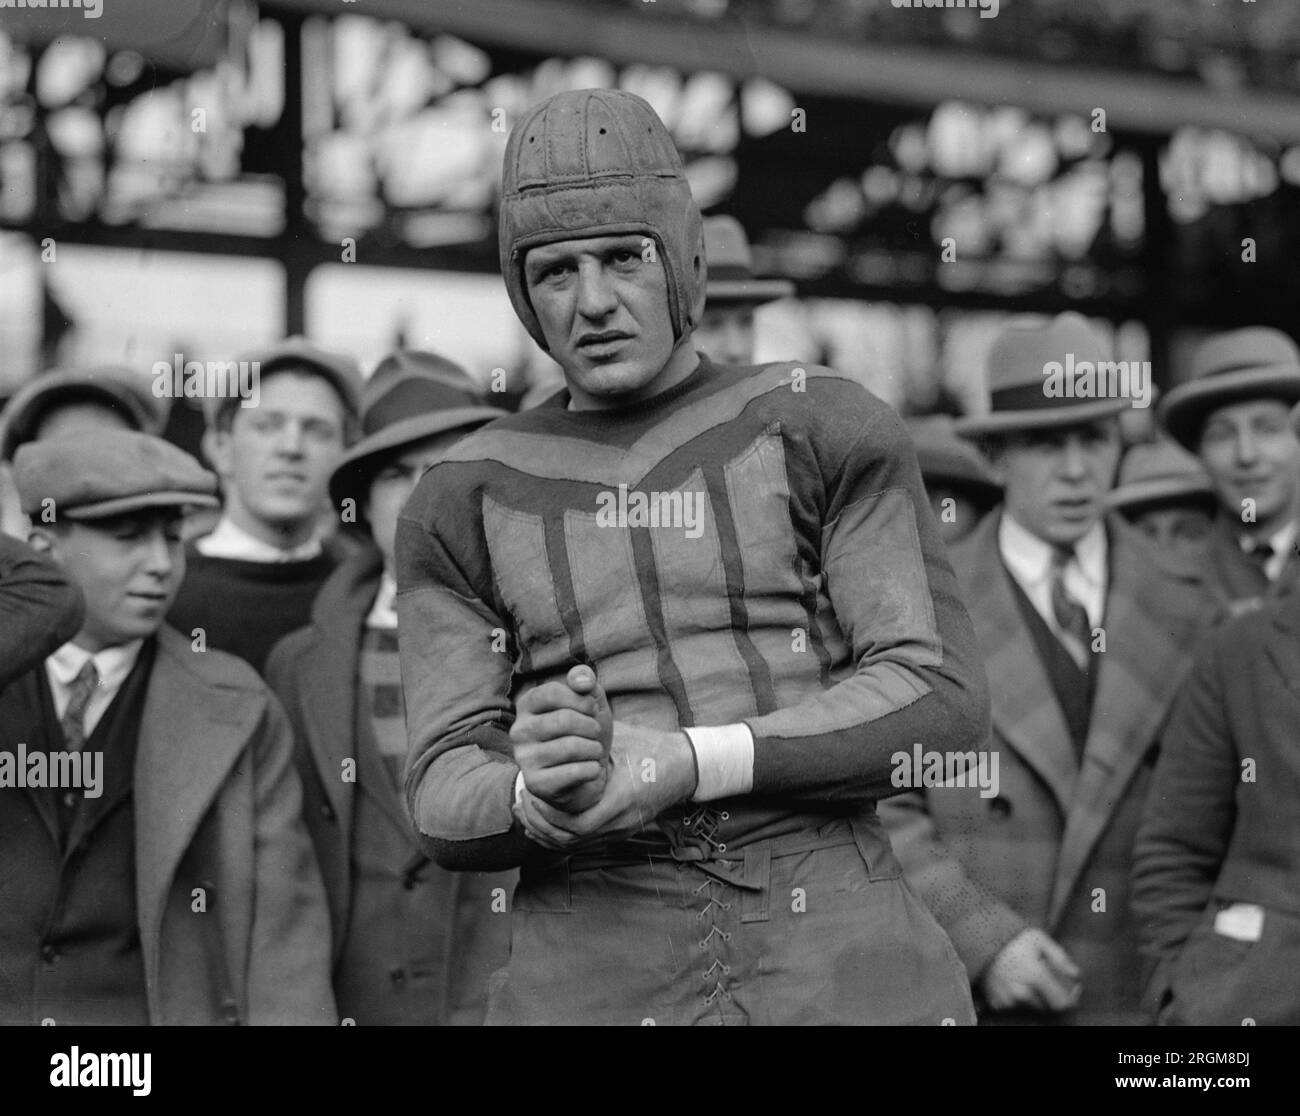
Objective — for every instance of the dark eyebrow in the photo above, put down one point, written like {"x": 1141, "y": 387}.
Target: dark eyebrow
{"x": 537, "y": 260}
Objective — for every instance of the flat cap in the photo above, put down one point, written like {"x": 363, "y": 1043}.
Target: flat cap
{"x": 339, "y": 370}
{"x": 112, "y": 385}
{"x": 110, "y": 474}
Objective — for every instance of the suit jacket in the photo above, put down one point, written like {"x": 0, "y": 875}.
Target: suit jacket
{"x": 1222, "y": 827}
{"x": 315, "y": 671}
{"x": 217, "y": 807}
{"x": 40, "y": 610}
{"x": 1052, "y": 848}
{"x": 1236, "y": 583}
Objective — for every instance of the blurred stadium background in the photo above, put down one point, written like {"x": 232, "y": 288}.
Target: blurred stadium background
{"x": 201, "y": 177}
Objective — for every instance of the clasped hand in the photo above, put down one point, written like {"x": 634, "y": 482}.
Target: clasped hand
{"x": 587, "y": 777}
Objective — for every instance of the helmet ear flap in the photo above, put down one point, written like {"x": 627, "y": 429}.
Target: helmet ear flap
{"x": 698, "y": 282}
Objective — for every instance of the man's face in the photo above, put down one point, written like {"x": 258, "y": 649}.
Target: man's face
{"x": 1251, "y": 453}
{"x": 71, "y": 420}
{"x": 129, "y": 568}
{"x": 726, "y": 333}
{"x": 1057, "y": 479}
{"x": 276, "y": 458}
{"x": 392, "y": 485}
{"x": 603, "y": 307}
{"x": 1182, "y": 531}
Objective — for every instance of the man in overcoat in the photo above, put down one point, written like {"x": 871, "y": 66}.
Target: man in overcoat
{"x": 1233, "y": 414}
{"x": 1025, "y": 861}
{"x": 154, "y": 867}
{"x": 412, "y": 943}
{"x": 1216, "y": 868}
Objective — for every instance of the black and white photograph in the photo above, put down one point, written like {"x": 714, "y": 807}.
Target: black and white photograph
{"x": 597, "y": 513}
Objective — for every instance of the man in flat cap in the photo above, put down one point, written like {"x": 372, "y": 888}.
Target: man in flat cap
{"x": 1233, "y": 414}
{"x": 413, "y": 943}
{"x": 1216, "y": 864}
{"x": 1025, "y": 861}
{"x": 154, "y": 867}
{"x": 661, "y": 635}
{"x": 732, "y": 293}
{"x": 68, "y": 403}
{"x": 252, "y": 580}
{"x": 72, "y": 402}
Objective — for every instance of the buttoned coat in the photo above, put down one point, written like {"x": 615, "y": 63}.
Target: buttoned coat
{"x": 229, "y": 902}
{"x": 315, "y": 671}
{"x": 1053, "y": 847}
{"x": 1222, "y": 828}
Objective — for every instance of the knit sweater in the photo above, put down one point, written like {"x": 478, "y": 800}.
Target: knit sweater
{"x": 246, "y": 607}
{"x": 788, "y": 577}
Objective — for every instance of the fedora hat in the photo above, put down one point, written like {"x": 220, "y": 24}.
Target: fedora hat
{"x": 1155, "y": 473}
{"x": 410, "y": 396}
{"x": 112, "y": 385}
{"x": 1252, "y": 363}
{"x": 1037, "y": 376}
{"x": 946, "y": 459}
{"x": 731, "y": 267}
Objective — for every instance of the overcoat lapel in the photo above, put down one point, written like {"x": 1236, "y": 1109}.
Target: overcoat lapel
{"x": 329, "y": 679}
{"x": 1230, "y": 570}
{"x": 1284, "y": 652}
{"x": 1026, "y": 713}
{"x": 327, "y": 675}
{"x": 192, "y": 732}
{"x": 1150, "y": 626}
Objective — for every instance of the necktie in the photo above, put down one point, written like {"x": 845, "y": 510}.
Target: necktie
{"x": 79, "y": 694}
{"x": 1071, "y": 616}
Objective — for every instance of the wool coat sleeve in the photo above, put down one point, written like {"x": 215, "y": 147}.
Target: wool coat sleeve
{"x": 979, "y": 923}
{"x": 40, "y": 609}
{"x": 289, "y": 956}
{"x": 1188, "y": 820}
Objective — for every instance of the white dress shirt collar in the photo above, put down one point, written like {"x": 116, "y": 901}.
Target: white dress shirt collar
{"x": 113, "y": 665}
{"x": 1029, "y": 559}
{"x": 228, "y": 540}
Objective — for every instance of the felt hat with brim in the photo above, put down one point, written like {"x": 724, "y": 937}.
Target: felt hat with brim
{"x": 1252, "y": 363}
{"x": 1159, "y": 473}
{"x": 946, "y": 459}
{"x": 112, "y": 385}
{"x": 731, "y": 276}
{"x": 1038, "y": 377}
{"x": 109, "y": 474}
{"x": 409, "y": 397}
{"x": 339, "y": 370}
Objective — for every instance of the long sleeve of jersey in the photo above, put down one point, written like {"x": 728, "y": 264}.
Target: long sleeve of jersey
{"x": 802, "y": 625}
